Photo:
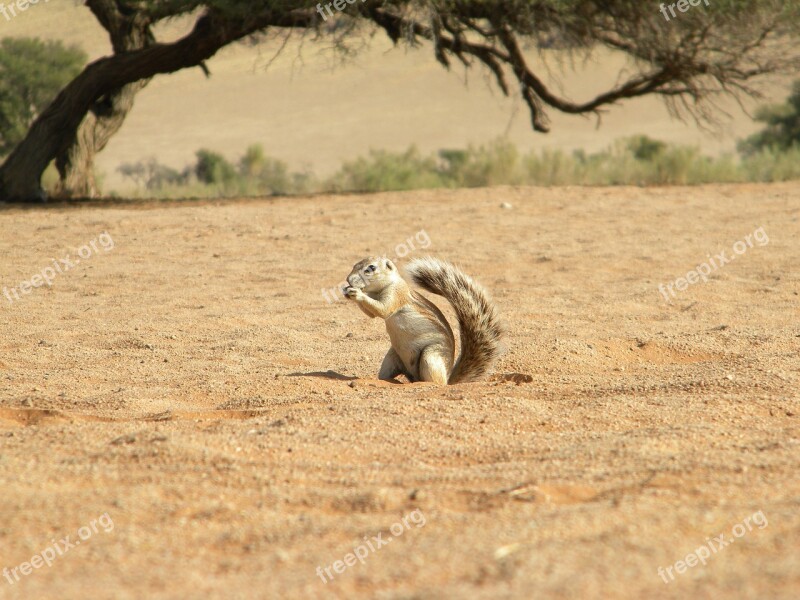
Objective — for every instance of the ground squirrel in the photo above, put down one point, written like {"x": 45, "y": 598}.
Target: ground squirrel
{"x": 423, "y": 345}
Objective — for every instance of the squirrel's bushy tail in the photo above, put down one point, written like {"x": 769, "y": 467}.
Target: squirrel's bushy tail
{"x": 477, "y": 318}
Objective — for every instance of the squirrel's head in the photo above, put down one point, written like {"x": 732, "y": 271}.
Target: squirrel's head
{"x": 373, "y": 274}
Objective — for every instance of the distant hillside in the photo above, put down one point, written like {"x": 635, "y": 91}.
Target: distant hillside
{"x": 309, "y": 109}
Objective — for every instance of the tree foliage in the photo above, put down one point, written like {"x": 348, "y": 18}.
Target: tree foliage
{"x": 32, "y": 72}
{"x": 690, "y": 60}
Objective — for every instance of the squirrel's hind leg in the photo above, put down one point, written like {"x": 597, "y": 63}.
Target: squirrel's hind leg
{"x": 391, "y": 367}
{"x": 432, "y": 366}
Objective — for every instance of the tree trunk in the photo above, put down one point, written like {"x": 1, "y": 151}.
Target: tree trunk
{"x": 75, "y": 163}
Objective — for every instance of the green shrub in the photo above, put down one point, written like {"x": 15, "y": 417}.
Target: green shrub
{"x": 631, "y": 161}
{"x": 262, "y": 174}
{"x": 496, "y": 163}
{"x": 645, "y": 148}
{"x": 771, "y": 164}
{"x": 382, "y": 171}
{"x": 554, "y": 167}
{"x": 214, "y": 168}
{"x": 637, "y": 160}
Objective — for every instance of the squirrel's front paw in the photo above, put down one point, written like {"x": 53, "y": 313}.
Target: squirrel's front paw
{"x": 353, "y": 293}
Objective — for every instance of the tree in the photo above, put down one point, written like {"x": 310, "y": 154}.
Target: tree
{"x": 128, "y": 30}
{"x": 690, "y": 61}
{"x": 32, "y": 72}
{"x": 782, "y": 129}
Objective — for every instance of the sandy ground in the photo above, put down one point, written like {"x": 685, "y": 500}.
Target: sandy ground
{"x": 192, "y": 384}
